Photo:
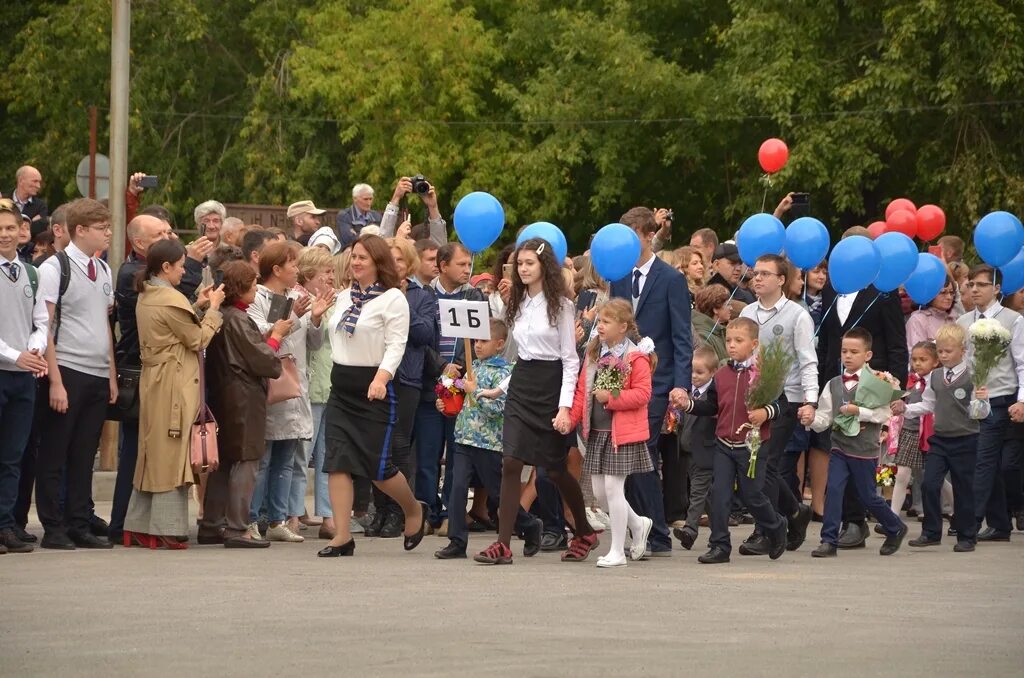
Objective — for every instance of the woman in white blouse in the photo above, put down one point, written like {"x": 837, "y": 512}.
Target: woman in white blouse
{"x": 540, "y": 393}
{"x": 368, "y": 333}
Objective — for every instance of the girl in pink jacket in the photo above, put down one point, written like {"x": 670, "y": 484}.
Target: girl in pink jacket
{"x": 611, "y": 405}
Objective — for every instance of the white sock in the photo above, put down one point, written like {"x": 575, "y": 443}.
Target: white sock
{"x": 899, "y": 489}
{"x": 947, "y": 496}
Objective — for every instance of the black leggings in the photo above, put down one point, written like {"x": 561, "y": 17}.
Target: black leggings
{"x": 508, "y": 509}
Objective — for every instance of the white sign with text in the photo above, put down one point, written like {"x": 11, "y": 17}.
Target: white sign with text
{"x": 465, "y": 319}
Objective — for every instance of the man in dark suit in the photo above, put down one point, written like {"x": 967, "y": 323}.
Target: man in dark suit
{"x": 881, "y": 315}
{"x": 661, "y": 304}
{"x": 26, "y": 193}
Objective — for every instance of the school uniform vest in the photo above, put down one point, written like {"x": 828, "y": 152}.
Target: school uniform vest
{"x": 17, "y": 301}
{"x": 83, "y": 342}
{"x": 1002, "y": 380}
{"x": 732, "y": 386}
{"x": 864, "y": 445}
{"x": 951, "y": 403}
{"x": 913, "y": 397}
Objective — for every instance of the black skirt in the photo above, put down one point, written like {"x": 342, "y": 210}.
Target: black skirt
{"x": 531, "y": 405}
{"x": 359, "y": 432}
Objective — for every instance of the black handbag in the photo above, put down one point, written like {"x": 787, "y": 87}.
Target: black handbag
{"x": 127, "y": 406}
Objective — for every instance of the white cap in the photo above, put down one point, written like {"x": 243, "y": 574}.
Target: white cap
{"x": 325, "y": 237}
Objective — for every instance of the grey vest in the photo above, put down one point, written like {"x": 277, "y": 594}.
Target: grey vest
{"x": 913, "y": 425}
{"x": 17, "y": 302}
{"x": 84, "y": 341}
{"x": 865, "y": 444}
{"x": 951, "y": 402}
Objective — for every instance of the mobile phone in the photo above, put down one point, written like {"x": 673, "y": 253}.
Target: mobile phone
{"x": 801, "y": 206}
{"x": 506, "y": 271}
{"x": 218, "y": 278}
{"x": 149, "y": 181}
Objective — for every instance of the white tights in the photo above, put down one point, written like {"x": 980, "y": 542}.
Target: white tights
{"x": 899, "y": 489}
{"x": 611, "y": 493}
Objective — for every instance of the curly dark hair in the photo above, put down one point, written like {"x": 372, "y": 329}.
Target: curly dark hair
{"x": 553, "y": 284}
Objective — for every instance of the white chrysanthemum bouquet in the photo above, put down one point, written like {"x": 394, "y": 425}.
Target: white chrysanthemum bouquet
{"x": 990, "y": 341}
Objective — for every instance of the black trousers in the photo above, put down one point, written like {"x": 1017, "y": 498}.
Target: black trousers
{"x": 674, "y": 472}
{"x": 68, "y": 448}
{"x": 731, "y": 466}
{"x": 778, "y": 491}
{"x": 27, "y": 480}
{"x": 956, "y": 456}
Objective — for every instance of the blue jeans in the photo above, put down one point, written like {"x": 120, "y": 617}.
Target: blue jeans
{"x": 17, "y": 403}
{"x": 643, "y": 490}
{"x": 463, "y": 462}
{"x": 433, "y": 433}
{"x": 860, "y": 473}
{"x": 989, "y": 490}
{"x": 127, "y": 457}
{"x": 274, "y": 481}
{"x": 955, "y": 456}
{"x": 321, "y": 497}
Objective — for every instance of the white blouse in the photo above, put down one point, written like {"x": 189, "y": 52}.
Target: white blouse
{"x": 538, "y": 340}
{"x": 381, "y": 332}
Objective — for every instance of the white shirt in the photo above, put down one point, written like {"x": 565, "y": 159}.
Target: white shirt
{"x": 40, "y": 317}
{"x": 538, "y": 340}
{"x": 644, "y": 272}
{"x": 824, "y": 415}
{"x": 1007, "y": 377}
{"x": 49, "y": 274}
{"x": 381, "y": 332}
{"x": 927, "y": 404}
{"x": 790, "y": 323}
{"x": 844, "y": 304}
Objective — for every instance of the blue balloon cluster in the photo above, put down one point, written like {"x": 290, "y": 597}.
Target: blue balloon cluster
{"x": 998, "y": 238}
{"x": 479, "y": 220}
{"x": 854, "y": 264}
{"x": 614, "y": 251}
{"x": 760, "y": 234}
{"x": 1011, "y": 274}
{"x": 898, "y": 259}
{"x": 806, "y": 242}
{"x": 549, "y": 232}
{"x": 927, "y": 280}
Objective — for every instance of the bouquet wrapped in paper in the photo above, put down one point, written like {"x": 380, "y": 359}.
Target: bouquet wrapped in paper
{"x": 874, "y": 390}
{"x": 767, "y": 381}
{"x": 990, "y": 341}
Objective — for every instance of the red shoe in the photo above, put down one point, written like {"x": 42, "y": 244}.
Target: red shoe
{"x": 495, "y": 554}
{"x": 580, "y": 548}
{"x": 172, "y": 544}
{"x": 139, "y": 539}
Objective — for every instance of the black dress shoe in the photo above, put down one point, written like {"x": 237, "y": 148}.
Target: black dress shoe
{"x": 951, "y": 532}
{"x": 824, "y": 551}
{"x": 376, "y": 525}
{"x": 26, "y": 537}
{"x": 893, "y": 542}
{"x": 797, "y": 531}
{"x": 57, "y": 540}
{"x": 88, "y": 540}
{"x": 346, "y": 549}
{"x": 911, "y": 513}
{"x": 963, "y": 547}
{"x": 1018, "y": 518}
{"x": 393, "y": 525}
{"x": 923, "y": 541}
{"x": 854, "y": 536}
{"x": 686, "y": 536}
{"x": 10, "y": 540}
{"x": 714, "y": 556}
{"x": 777, "y": 540}
{"x": 210, "y": 538}
{"x": 817, "y": 517}
{"x": 533, "y": 534}
{"x": 553, "y": 541}
{"x": 989, "y": 534}
{"x": 879, "y": 529}
{"x": 98, "y": 527}
{"x": 451, "y": 552}
{"x": 756, "y": 545}
{"x": 245, "y": 543}
{"x": 413, "y": 540}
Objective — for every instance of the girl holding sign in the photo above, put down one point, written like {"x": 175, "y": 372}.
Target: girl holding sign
{"x": 540, "y": 393}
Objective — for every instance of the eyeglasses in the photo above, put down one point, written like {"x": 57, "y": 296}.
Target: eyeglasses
{"x": 763, "y": 274}
{"x": 977, "y": 284}
{"x": 101, "y": 227}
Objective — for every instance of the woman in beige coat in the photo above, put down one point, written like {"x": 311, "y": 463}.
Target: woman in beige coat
{"x": 170, "y": 336}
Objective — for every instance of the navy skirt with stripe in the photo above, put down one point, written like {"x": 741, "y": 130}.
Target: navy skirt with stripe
{"x": 359, "y": 432}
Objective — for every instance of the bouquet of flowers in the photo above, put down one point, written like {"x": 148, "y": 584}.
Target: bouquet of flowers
{"x": 452, "y": 392}
{"x": 874, "y": 390}
{"x": 885, "y": 475}
{"x": 611, "y": 374}
{"x": 990, "y": 341}
{"x": 767, "y": 381}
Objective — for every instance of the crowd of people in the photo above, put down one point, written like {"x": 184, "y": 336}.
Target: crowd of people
{"x": 594, "y": 407}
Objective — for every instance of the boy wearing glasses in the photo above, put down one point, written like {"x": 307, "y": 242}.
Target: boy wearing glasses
{"x": 781, "y": 319}
{"x": 78, "y": 291}
{"x": 1006, "y": 397}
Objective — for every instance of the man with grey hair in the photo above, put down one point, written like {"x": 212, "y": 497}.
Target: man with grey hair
{"x": 231, "y": 231}
{"x": 29, "y": 182}
{"x": 360, "y": 213}
{"x": 209, "y": 218}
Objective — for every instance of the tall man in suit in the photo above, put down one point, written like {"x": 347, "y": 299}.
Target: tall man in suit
{"x": 661, "y": 304}
{"x": 881, "y": 315}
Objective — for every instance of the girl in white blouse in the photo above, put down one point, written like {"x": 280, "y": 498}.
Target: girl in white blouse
{"x": 540, "y": 392}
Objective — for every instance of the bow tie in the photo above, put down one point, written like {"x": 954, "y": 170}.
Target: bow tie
{"x": 738, "y": 366}
{"x": 849, "y": 379}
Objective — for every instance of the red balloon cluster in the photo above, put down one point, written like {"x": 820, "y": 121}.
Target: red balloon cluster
{"x": 903, "y": 216}
{"x": 773, "y": 155}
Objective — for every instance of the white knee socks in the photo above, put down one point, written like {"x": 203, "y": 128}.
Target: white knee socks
{"x": 611, "y": 492}
{"x": 899, "y": 489}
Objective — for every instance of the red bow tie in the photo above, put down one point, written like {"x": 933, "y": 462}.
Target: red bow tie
{"x": 850, "y": 379}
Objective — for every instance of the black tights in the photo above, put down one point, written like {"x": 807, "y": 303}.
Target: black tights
{"x": 511, "y": 480}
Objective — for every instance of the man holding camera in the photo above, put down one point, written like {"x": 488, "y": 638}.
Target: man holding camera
{"x": 360, "y": 213}
{"x": 436, "y": 225}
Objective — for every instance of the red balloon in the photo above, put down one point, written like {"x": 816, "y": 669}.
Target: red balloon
{"x": 876, "y": 229}
{"x": 931, "y": 221}
{"x": 900, "y": 204}
{"x": 773, "y": 155}
{"x": 902, "y": 221}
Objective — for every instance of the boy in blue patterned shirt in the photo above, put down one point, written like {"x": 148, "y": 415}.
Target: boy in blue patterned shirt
{"x": 478, "y": 445}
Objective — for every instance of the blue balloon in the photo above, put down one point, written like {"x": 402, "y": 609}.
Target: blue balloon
{"x": 927, "y": 280}
{"x": 614, "y": 251}
{"x": 998, "y": 237}
{"x": 853, "y": 265}
{"x": 760, "y": 234}
{"x": 898, "y": 260}
{"x": 552, "y": 234}
{"x": 479, "y": 220}
{"x": 1011, "y": 274}
{"x": 806, "y": 242}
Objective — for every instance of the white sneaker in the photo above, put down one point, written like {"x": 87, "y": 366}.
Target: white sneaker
{"x": 595, "y": 524}
{"x": 354, "y": 526}
{"x": 639, "y": 545}
{"x": 283, "y": 533}
{"x": 253, "y": 532}
{"x": 610, "y": 561}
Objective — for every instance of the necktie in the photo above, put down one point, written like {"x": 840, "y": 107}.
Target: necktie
{"x": 12, "y": 271}
{"x": 949, "y": 376}
{"x": 850, "y": 380}
{"x": 92, "y": 270}
{"x": 636, "y": 283}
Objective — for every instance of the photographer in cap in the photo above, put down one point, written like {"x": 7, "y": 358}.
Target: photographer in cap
{"x": 436, "y": 226}
{"x": 304, "y": 218}
{"x": 728, "y": 269}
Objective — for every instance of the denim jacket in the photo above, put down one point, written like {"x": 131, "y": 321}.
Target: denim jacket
{"x": 480, "y": 422}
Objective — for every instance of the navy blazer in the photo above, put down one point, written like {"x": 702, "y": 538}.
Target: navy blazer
{"x": 663, "y": 314}
{"x": 697, "y": 435}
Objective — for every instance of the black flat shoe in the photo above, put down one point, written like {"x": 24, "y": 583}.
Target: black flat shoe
{"x": 797, "y": 530}
{"x": 989, "y": 534}
{"x": 963, "y": 547}
{"x": 451, "y": 552}
{"x": 824, "y": 551}
{"x": 714, "y": 557}
{"x": 685, "y": 536}
{"x": 346, "y": 549}
{"x": 553, "y": 541}
{"x": 245, "y": 543}
{"x": 98, "y": 527}
{"x": 28, "y": 537}
{"x": 854, "y": 536}
{"x": 88, "y": 540}
{"x": 777, "y": 541}
{"x": 893, "y": 542}
{"x": 755, "y": 545}
{"x": 58, "y": 541}
{"x": 412, "y": 541}
{"x": 532, "y": 537}
{"x": 923, "y": 541}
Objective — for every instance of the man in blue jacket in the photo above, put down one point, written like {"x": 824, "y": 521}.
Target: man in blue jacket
{"x": 661, "y": 304}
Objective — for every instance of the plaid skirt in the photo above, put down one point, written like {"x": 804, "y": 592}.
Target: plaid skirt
{"x": 626, "y": 459}
{"x": 908, "y": 450}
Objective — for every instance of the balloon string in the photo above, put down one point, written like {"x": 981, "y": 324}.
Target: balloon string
{"x": 825, "y": 315}
{"x": 767, "y": 185}
{"x": 879, "y": 296}
{"x": 727, "y": 302}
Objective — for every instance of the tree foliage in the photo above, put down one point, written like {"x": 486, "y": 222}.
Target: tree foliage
{"x": 568, "y": 111}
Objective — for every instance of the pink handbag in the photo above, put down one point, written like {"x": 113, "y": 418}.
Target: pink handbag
{"x": 203, "y": 452}
{"x": 287, "y": 385}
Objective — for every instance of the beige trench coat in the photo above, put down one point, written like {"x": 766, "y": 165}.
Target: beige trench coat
{"x": 170, "y": 336}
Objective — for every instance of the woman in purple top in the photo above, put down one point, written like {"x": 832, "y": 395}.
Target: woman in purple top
{"x": 924, "y": 322}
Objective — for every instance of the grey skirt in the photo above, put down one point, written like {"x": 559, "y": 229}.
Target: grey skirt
{"x": 623, "y": 460}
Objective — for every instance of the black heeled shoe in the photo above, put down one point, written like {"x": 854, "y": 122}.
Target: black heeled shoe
{"x": 346, "y": 549}
{"x": 413, "y": 541}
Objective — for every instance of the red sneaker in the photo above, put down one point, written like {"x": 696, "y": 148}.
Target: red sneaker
{"x": 580, "y": 548}
{"x": 495, "y": 554}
